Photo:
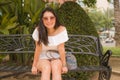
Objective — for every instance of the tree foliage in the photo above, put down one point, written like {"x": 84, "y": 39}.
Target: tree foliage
{"x": 26, "y": 13}
{"x": 102, "y": 19}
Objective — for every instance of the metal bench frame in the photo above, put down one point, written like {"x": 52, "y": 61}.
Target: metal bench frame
{"x": 77, "y": 44}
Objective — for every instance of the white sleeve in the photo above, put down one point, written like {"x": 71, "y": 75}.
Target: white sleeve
{"x": 61, "y": 38}
{"x": 35, "y": 35}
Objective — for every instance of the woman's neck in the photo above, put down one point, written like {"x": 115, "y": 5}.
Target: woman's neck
{"x": 51, "y": 31}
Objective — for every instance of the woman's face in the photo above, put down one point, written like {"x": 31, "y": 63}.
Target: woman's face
{"x": 49, "y": 20}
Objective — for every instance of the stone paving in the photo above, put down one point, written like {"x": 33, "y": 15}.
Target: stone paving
{"x": 115, "y": 64}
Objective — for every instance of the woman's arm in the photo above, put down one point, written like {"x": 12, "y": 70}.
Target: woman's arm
{"x": 61, "y": 49}
{"x": 38, "y": 49}
{"x": 36, "y": 57}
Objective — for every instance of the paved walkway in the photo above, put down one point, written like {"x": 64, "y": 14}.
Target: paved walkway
{"x": 115, "y": 64}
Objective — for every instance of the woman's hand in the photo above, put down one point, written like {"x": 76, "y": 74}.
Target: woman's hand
{"x": 34, "y": 70}
{"x": 64, "y": 69}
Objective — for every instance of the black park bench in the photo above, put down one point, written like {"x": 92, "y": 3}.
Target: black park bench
{"x": 78, "y": 44}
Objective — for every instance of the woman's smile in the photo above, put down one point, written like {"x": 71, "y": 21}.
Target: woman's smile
{"x": 49, "y": 20}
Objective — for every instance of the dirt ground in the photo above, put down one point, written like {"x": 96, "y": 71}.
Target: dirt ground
{"x": 114, "y": 62}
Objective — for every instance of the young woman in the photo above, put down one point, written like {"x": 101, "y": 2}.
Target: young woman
{"x": 49, "y": 56}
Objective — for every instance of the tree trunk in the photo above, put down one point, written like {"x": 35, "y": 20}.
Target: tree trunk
{"x": 117, "y": 22}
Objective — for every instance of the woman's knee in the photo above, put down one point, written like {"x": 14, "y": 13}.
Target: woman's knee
{"x": 44, "y": 66}
{"x": 56, "y": 66}
{"x": 56, "y": 69}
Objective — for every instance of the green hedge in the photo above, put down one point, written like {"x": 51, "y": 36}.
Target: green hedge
{"x": 75, "y": 19}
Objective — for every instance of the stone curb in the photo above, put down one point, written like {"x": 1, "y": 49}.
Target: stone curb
{"x": 116, "y": 72}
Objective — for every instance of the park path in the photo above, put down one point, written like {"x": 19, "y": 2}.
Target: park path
{"x": 115, "y": 64}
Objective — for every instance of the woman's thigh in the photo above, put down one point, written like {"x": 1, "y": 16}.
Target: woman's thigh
{"x": 43, "y": 64}
{"x": 56, "y": 66}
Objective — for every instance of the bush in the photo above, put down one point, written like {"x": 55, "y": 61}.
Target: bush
{"x": 75, "y": 19}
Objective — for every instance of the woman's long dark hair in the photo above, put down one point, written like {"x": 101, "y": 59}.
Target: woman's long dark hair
{"x": 43, "y": 34}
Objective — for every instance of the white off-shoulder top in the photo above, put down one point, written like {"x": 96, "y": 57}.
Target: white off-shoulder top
{"x": 54, "y": 41}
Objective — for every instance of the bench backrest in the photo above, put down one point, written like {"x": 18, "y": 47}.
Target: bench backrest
{"x": 78, "y": 44}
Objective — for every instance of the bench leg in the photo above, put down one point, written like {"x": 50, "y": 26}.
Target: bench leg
{"x": 109, "y": 73}
{"x": 104, "y": 75}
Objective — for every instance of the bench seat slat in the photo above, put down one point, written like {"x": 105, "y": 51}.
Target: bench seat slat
{"x": 3, "y": 67}
{"x": 28, "y": 68}
{"x": 9, "y": 68}
{"x": 90, "y": 68}
{"x": 14, "y": 68}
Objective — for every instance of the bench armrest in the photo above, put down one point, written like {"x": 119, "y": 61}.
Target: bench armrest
{"x": 105, "y": 58}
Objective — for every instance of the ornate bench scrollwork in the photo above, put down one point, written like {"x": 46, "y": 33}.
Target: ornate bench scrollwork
{"x": 77, "y": 44}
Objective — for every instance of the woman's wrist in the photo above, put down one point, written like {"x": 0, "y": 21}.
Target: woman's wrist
{"x": 64, "y": 65}
{"x": 34, "y": 68}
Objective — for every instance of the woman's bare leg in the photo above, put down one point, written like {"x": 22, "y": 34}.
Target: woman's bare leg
{"x": 44, "y": 67}
{"x": 56, "y": 69}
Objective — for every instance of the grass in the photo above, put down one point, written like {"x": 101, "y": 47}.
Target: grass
{"x": 115, "y": 50}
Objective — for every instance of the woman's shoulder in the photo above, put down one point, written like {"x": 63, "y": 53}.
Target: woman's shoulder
{"x": 36, "y": 27}
{"x": 61, "y": 29}
{"x": 61, "y": 36}
{"x": 35, "y": 34}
